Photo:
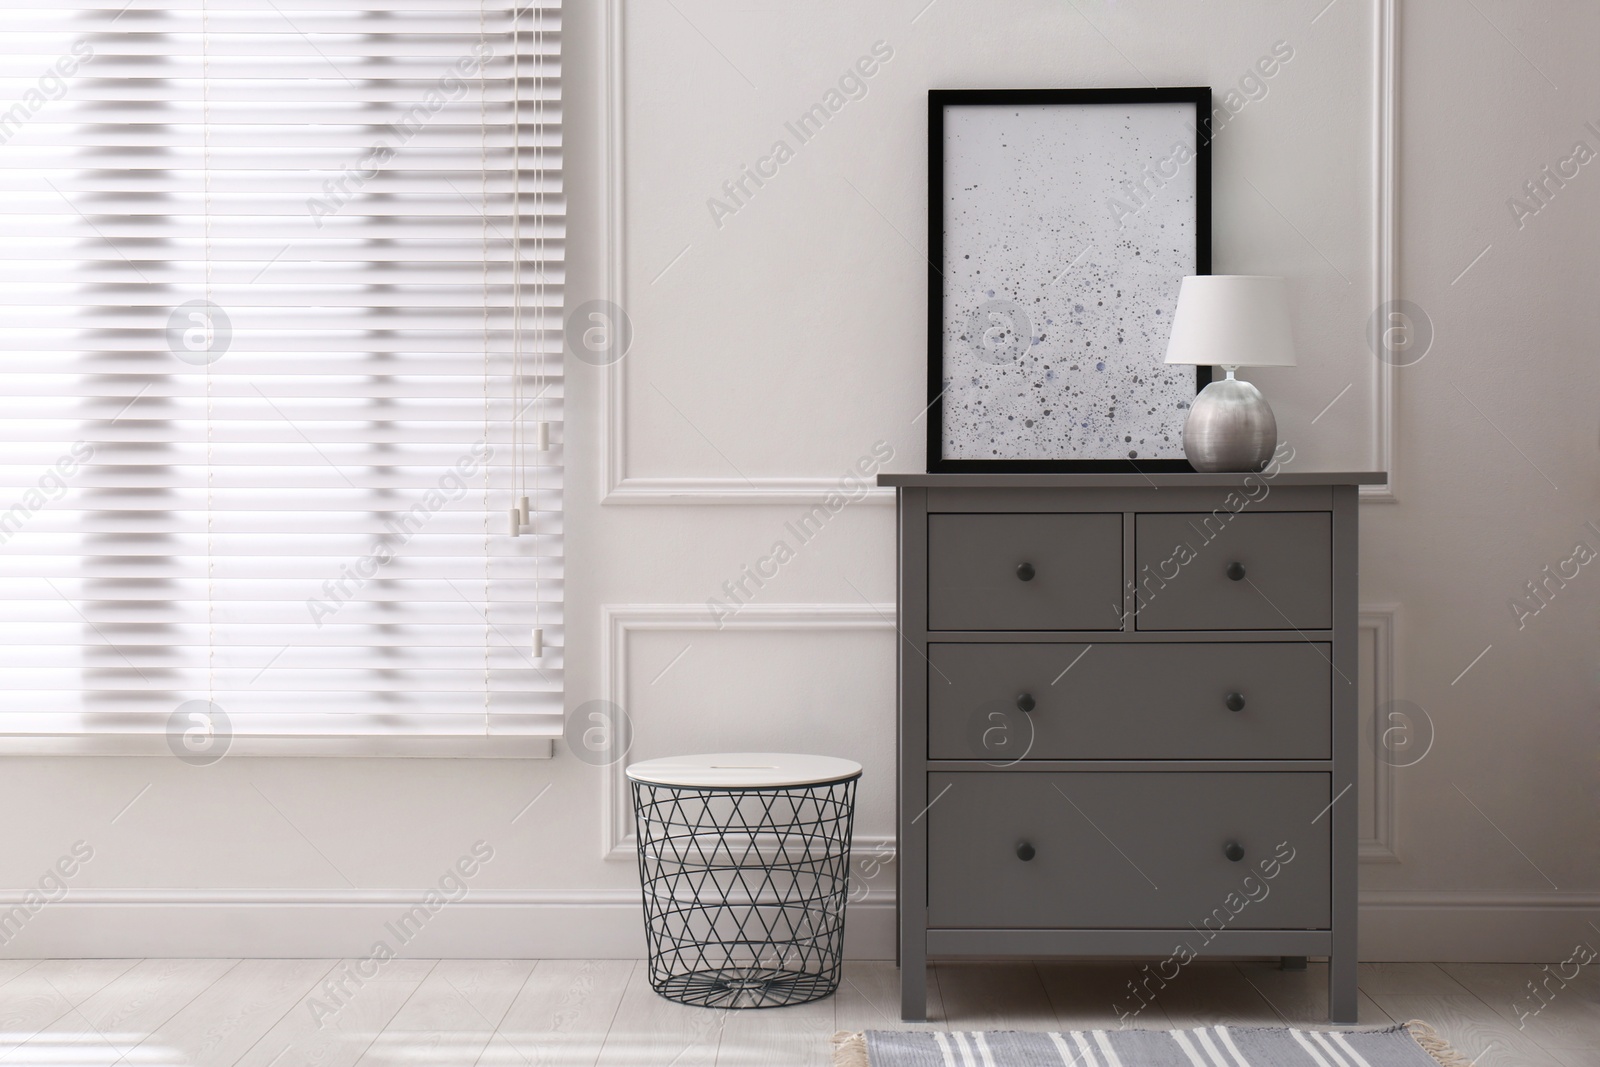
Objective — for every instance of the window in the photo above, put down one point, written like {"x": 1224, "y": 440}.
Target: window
{"x": 282, "y": 287}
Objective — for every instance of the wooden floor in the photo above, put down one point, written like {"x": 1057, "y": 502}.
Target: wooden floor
{"x": 565, "y": 1013}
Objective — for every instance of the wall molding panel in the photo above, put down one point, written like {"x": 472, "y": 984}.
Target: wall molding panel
{"x": 1377, "y": 625}
{"x": 618, "y": 621}
{"x": 619, "y": 487}
{"x": 1385, "y": 235}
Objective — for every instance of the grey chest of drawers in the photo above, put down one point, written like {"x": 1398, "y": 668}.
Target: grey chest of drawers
{"x": 1128, "y": 720}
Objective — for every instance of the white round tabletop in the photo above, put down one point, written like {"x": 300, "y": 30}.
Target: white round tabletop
{"x": 743, "y": 770}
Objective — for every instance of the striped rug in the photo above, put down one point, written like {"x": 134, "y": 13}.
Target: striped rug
{"x": 1412, "y": 1045}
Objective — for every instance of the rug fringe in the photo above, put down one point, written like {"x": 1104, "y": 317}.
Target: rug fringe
{"x": 850, "y": 1049}
{"x": 1442, "y": 1051}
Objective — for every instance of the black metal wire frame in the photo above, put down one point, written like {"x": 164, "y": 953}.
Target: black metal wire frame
{"x": 744, "y": 891}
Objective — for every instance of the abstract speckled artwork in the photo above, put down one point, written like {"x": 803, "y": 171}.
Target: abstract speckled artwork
{"x": 1067, "y": 230}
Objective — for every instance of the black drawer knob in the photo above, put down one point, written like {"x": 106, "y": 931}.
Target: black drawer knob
{"x": 1235, "y": 701}
{"x": 1234, "y": 851}
{"x": 1025, "y": 852}
{"x": 1025, "y": 702}
{"x": 1236, "y": 571}
{"x": 1025, "y": 571}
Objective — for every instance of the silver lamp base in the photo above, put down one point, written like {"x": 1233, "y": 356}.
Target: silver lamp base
{"x": 1230, "y": 428}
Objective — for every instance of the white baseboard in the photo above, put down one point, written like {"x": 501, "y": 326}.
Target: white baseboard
{"x": 1448, "y": 927}
{"x": 1475, "y": 926}
{"x": 271, "y": 924}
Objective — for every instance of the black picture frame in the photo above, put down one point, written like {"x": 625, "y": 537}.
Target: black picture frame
{"x": 938, "y": 101}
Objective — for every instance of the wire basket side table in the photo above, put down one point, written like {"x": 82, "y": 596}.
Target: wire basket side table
{"x": 744, "y": 859}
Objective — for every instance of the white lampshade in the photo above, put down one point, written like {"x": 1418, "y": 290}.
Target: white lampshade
{"x": 1234, "y": 320}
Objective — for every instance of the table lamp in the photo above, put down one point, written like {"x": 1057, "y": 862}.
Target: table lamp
{"x": 1231, "y": 321}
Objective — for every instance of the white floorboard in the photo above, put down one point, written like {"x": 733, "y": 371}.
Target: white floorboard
{"x": 111, "y": 1024}
{"x": 451, "y": 1017}
{"x": 561, "y": 1016}
{"x": 339, "y": 1039}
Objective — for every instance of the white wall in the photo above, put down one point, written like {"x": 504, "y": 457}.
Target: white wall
{"x": 779, "y": 347}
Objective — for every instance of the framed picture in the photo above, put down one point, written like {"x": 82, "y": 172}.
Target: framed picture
{"x": 1060, "y": 225}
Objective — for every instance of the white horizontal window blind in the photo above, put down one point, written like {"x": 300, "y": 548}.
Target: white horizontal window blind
{"x": 281, "y": 316}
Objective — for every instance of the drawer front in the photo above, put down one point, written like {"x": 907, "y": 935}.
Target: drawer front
{"x": 1130, "y": 851}
{"x": 1025, "y": 572}
{"x": 1209, "y": 571}
{"x": 1129, "y": 701}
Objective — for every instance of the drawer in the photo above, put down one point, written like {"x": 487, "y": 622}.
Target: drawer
{"x": 1025, "y": 572}
{"x": 1219, "y": 571}
{"x": 1129, "y": 851}
{"x": 1129, "y": 701}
